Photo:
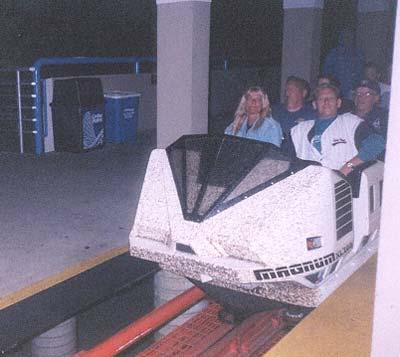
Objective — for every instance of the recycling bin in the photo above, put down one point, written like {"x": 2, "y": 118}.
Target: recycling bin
{"x": 122, "y": 113}
{"x": 78, "y": 114}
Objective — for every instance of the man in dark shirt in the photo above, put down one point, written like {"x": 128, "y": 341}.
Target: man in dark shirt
{"x": 294, "y": 109}
{"x": 366, "y": 99}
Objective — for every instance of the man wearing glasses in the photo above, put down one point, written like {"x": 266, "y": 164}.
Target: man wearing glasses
{"x": 366, "y": 99}
{"x": 340, "y": 142}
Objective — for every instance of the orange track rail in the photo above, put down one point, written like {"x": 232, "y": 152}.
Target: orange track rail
{"x": 144, "y": 326}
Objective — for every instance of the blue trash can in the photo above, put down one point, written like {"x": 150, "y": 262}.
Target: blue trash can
{"x": 122, "y": 114}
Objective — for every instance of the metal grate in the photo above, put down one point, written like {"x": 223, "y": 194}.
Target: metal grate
{"x": 253, "y": 337}
{"x": 344, "y": 209}
{"x": 193, "y": 337}
{"x": 205, "y": 335}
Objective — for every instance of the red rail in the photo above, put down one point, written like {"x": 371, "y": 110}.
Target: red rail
{"x": 144, "y": 326}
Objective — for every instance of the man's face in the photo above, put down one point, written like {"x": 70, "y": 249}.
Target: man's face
{"x": 294, "y": 93}
{"x": 365, "y": 99}
{"x": 327, "y": 103}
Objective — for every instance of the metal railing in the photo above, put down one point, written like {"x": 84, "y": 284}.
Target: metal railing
{"x": 18, "y": 108}
{"x": 229, "y": 63}
{"x": 43, "y": 62}
{"x": 22, "y": 98}
{"x": 29, "y": 126}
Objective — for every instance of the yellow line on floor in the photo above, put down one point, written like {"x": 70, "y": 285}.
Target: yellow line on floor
{"x": 60, "y": 277}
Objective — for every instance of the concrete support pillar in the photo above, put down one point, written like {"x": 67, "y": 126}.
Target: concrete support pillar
{"x": 60, "y": 341}
{"x": 375, "y": 30}
{"x": 301, "y": 39}
{"x": 167, "y": 286}
{"x": 183, "y": 36}
{"x": 386, "y": 327}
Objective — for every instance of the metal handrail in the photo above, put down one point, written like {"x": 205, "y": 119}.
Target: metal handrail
{"x": 38, "y": 96}
{"x": 13, "y": 80}
{"x": 20, "y": 128}
{"x": 12, "y": 69}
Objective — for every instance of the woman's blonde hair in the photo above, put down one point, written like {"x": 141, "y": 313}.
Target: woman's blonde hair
{"x": 241, "y": 113}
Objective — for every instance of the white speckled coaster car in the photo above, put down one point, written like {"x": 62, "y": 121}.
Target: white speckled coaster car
{"x": 234, "y": 213}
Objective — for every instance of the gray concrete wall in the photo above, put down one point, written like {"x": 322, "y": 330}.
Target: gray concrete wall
{"x": 375, "y": 36}
{"x": 301, "y": 43}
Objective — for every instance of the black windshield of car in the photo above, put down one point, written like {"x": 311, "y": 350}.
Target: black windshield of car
{"x": 213, "y": 172}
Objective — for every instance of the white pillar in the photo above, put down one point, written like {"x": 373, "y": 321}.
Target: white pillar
{"x": 301, "y": 39}
{"x": 183, "y": 36}
{"x": 375, "y": 30}
{"x": 386, "y": 327}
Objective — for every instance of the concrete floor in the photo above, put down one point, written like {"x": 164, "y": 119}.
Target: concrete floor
{"x": 61, "y": 210}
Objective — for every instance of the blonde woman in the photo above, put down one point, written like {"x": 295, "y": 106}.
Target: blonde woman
{"x": 253, "y": 119}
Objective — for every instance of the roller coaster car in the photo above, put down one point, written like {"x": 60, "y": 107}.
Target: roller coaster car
{"x": 236, "y": 215}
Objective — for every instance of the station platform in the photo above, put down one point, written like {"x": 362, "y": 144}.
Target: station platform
{"x": 65, "y": 222}
{"x": 340, "y": 326}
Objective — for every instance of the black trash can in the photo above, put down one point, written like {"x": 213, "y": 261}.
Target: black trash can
{"x": 78, "y": 114}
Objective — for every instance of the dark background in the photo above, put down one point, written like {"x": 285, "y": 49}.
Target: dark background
{"x": 248, "y": 29}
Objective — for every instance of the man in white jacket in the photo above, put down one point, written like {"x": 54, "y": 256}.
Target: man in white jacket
{"x": 340, "y": 142}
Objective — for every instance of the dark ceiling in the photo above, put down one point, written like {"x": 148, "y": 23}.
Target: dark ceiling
{"x": 248, "y": 29}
